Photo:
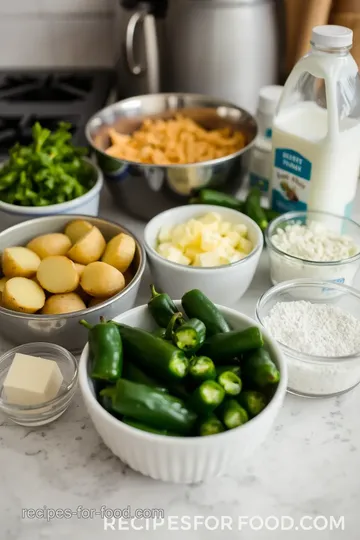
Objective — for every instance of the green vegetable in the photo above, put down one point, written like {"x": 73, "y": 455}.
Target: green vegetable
{"x": 206, "y": 397}
{"x": 48, "y": 171}
{"x": 153, "y": 353}
{"x": 190, "y": 336}
{"x": 133, "y": 373}
{"x": 234, "y": 369}
{"x": 160, "y": 332}
{"x": 151, "y": 407}
{"x": 223, "y": 348}
{"x": 254, "y": 402}
{"x": 253, "y": 208}
{"x": 202, "y": 368}
{"x": 161, "y": 307}
{"x": 211, "y": 426}
{"x": 259, "y": 369}
{"x": 198, "y": 306}
{"x": 172, "y": 324}
{"x": 106, "y": 350}
{"x": 230, "y": 382}
{"x": 232, "y": 414}
{"x": 217, "y": 198}
{"x": 145, "y": 427}
{"x": 271, "y": 214}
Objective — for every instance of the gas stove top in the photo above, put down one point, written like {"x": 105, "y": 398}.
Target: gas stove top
{"x": 49, "y": 97}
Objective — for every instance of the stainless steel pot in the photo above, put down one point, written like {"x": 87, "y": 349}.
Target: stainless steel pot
{"x": 145, "y": 190}
{"x": 65, "y": 329}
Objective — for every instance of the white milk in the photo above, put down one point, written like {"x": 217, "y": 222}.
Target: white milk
{"x": 316, "y": 150}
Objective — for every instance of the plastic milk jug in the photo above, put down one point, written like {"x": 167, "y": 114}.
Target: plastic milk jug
{"x": 316, "y": 129}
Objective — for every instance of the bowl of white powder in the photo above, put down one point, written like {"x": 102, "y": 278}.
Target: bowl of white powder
{"x": 317, "y": 325}
{"x": 315, "y": 245}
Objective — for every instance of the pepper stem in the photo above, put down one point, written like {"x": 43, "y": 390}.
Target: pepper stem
{"x": 170, "y": 328}
{"x": 86, "y": 324}
{"x": 154, "y": 292}
{"x": 102, "y": 319}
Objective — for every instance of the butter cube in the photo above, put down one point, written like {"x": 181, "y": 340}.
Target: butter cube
{"x": 31, "y": 380}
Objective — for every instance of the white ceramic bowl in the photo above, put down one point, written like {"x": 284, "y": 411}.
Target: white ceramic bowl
{"x": 191, "y": 459}
{"x": 87, "y": 204}
{"x": 223, "y": 284}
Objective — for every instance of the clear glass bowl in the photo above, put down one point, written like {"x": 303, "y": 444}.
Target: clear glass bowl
{"x": 44, "y": 413}
{"x": 315, "y": 376}
{"x": 284, "y": 267}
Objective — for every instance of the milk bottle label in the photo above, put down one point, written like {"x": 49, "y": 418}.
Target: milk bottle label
{"x": 291, "y": 180}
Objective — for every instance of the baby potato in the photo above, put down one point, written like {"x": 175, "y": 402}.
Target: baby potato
{"x": 57, "y": 274}
{"x": 19, "y": 262}
{"x": 63, "y": 303}
{"x": 23, "y": 294}
{"x": 79, "y": 268}
{"x": 77, "y": 229}
{"x": 120, "y": 252}
{"x": 89, "y": 248}
{"x": 50, "y": 244}
{"x": 3, "y": 280}
{"x": 101, "y": 279}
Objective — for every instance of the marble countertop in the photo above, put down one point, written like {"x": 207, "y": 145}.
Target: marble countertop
{"x": 309, "y": 466}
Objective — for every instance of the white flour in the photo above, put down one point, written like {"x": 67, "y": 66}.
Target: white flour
{"x": 318, "y": 330}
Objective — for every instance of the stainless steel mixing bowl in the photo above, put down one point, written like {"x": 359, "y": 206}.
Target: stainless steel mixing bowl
{"x": 145, "y": 190}
{"x": 65, "y": 329}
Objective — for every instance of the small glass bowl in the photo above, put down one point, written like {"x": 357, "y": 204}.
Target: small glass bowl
{"x": 284, "y": 267}
{"x": 44, "y": 413}
{"x": 315, "y": 376}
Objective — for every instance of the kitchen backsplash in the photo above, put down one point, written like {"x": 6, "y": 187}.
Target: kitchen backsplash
{"x": 58, "y": 33}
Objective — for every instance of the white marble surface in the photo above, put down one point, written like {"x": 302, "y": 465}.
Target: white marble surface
{"x": 308, "y": 467}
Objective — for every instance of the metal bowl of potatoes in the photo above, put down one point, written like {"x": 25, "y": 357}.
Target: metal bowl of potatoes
{"x": 57, "y": 280}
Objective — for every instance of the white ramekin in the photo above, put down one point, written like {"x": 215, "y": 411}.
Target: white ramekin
{"x": 223, "y": 284}
{"x": 191, "y": 459}
{"x": 87, "y": 204}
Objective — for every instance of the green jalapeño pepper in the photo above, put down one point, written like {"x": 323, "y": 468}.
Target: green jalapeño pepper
{"x": 161, "y": 307}
{"x": 230, "y": 382}
{"x": 149, "y": 429}
{"x": 106, "y": 350}
{"x": 151, "y": 407}
{"x": 153, "y": 354}
{"x": 190, "y": 336}
{"x": 223, "y": 348}
{"x": 259, "y": 369}
{"x": 217, "y": 198}
{"x": 197, "y": 305}
{"x": 211, "y": 426}
{"x": 232, "y": 414}
{"x": 175, "y": 319}
{"x": 253, "y": 208}
{"x": 201, "y": 369}
{"x": 207, "y": 397}
{"x": 135, "y": 374}
{"x": 254, "y": 402}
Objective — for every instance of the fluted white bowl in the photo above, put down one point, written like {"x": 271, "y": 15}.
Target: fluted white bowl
{"x": 176, "y": 459}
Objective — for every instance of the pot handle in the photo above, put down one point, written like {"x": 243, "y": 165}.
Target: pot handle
{"x": 148, "y": 25}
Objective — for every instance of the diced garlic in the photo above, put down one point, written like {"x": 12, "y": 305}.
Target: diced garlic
{"x": 165, "y": 234}
{"x": 245, "y": 245}
{"x": 224, "y": 228}
{"x": 206, "y": 260}
{"x": 241, "y": 229}
{"x": 209, "y": 240}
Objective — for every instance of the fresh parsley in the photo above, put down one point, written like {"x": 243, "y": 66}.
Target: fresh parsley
{"x": 51, "y": 170}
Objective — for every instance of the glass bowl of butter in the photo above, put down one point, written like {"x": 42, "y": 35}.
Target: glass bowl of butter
{"x": 37, "y": 383}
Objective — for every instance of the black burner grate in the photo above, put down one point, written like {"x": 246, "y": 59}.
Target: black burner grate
{"x": 49, "y": 98}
